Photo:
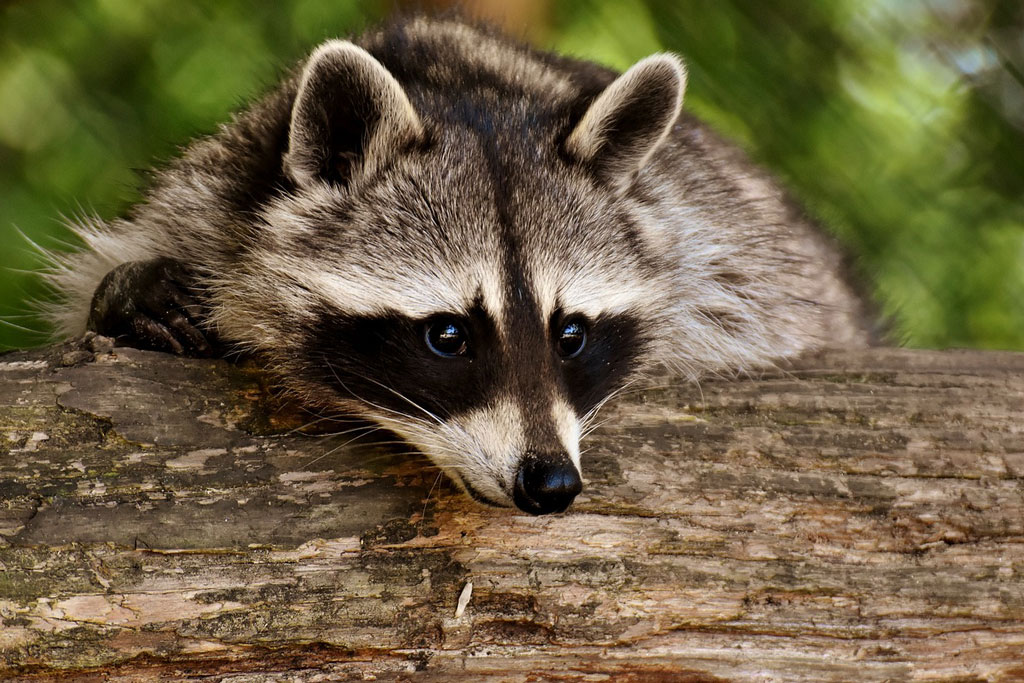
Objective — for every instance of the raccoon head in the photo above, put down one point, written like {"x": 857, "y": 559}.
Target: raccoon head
{"x": 461, "y": 270}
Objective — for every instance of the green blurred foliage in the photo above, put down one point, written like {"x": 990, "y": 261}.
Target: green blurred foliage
{"x": 899, "y": 125}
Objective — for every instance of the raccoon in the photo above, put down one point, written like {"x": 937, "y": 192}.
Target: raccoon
{"x": 469, "y": 242}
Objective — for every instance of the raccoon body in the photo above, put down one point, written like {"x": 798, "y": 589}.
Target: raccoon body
{"x": 471, "y": 243}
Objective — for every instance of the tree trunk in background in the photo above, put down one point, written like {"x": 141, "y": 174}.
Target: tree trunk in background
{"x": 859, "y": 517}
{"x": 521, "y": 18}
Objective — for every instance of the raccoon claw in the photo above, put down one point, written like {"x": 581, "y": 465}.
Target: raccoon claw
{"x": 153, "y": 335}
{"x": 147, "y": 304}
{"x": 174, "y": 335}
{"x": 190, "y": 333}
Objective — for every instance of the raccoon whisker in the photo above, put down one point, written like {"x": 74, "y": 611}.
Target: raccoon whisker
{"x": 648, "y": 387}
{"x": 642, "y": 387}
{"x": 385, "y": 413}
{"x": 389, "y": 455}
{"x": 430, "y": 491}
{"x": 444, "y": 457}
{"x": 441, "y": 452}
{"x": 585, "y": 421}
{"x": 347, "y": 419}
{"x": 371, "y": 403}
{"x": 426, "y": 501}
{"x": 404, "y": 398}
{"x": 280, "y": 393}
{"x": 613, "y": 394}
{"x": 389, "y": 442}
{"x": 407, "y": 422}
{"x": 333, "y": 450}
{"x": 590, "y": 428}
{"x": 292, "y": 432}
{"x": 450, "y": 460}
{"x": 381, "y": 456}
{"x": 402, "y": 442}
{"x": 372, "y": 443}
{"x": 440, "y": 464}
{"x": 436, "y": 450}
{"x": 444, "y": 426}
{"x": 367, "y": 429}
{"x": 451, "y": 467}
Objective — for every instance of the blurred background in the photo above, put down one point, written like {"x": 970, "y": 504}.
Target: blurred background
{"x": 899, "y": 124}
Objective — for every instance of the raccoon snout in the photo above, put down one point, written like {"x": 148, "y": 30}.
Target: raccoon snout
{"x": 546, "y": 483}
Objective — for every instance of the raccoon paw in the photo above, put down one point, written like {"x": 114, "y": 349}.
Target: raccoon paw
{"x": 150, "y": 305}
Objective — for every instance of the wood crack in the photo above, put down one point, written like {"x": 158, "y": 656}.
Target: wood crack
{"x": 857, "y": 517}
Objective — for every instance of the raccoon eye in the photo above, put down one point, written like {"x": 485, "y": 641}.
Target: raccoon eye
{"x": 446, "y": 338}
{"x": 571, "y": 338}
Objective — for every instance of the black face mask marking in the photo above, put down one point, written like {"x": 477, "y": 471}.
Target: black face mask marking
{"x": 384, "y": 360}
{"x": 614, "y": 345}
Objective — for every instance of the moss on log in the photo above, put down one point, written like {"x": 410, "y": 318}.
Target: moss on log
{"x": 857, "y": 516}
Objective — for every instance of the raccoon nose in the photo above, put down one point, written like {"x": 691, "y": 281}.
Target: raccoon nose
{"x": 546, "y": 483}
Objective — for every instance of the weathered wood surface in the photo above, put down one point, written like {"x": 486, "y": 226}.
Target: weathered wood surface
{"x": 859, "y": 518}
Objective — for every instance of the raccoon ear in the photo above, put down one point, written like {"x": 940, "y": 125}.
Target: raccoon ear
{"x": 625, "y": 124}
{"x": 350, "y": 116}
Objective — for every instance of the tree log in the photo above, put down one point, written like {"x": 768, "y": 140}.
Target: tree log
{"x": 855, "y": 516}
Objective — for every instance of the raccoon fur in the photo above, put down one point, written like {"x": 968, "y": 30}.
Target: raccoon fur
{"x": 470, "y": 242}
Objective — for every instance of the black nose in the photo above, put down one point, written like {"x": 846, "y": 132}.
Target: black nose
{"x": 546, "y": 483}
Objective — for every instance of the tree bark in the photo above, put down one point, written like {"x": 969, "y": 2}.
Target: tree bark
{"x": 857, "y": 516}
